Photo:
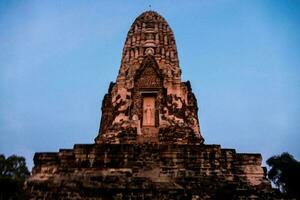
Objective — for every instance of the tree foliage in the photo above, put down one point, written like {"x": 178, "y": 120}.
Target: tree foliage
{"x": 285, "y": 174}
{"x": 13, "y": 173}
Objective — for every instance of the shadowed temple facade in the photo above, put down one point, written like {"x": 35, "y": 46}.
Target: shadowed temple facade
{"x": 149, "y": 144}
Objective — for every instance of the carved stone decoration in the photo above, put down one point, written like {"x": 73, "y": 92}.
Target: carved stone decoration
{"x": 149, "y": 51}
{"x": 151, "y": 35}
{"x": 149, "y": 111}
{"x": 175, "y": 105}
{"x": 148, "y": 78}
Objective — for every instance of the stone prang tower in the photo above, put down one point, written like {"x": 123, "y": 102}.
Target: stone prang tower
{"x": 149, "y": 144}
{"x": 149, "y": 101}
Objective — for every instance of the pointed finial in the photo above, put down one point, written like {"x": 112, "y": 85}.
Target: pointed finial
{"x": 149, "y": 6}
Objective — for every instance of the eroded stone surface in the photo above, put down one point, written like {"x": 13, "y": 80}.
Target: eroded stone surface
{"x": 159, "y": 171}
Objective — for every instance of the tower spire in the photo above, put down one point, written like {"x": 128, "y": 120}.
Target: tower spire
{"x": 149, "y": 99}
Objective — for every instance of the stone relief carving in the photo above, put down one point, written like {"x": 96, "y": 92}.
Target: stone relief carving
{"x": 176, "y": 111}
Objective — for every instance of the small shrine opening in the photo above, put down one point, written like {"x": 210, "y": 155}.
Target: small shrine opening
{"x": 149, "y": 111}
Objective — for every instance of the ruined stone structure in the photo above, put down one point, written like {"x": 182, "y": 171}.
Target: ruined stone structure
{"x": 149, "y": 99}
{"x": 149, "y": 144}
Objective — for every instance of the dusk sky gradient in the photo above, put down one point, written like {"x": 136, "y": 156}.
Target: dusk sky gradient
{"x": 57, "y": 59}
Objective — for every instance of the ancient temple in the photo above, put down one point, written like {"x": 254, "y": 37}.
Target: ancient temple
{"x": 149, "y": 100}
{"x": 149, "y": 144}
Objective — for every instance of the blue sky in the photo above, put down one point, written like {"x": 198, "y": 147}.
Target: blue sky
{"x": 58, "y": 57}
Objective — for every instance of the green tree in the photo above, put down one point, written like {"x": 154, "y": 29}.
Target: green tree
{"x": 285, "y": 174}
{"x": 13, "y": 173}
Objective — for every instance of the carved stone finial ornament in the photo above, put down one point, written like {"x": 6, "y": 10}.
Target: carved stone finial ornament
{"x": 149, "y": 51}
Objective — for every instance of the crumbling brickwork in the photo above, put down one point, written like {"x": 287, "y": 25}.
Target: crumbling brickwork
{"x": 144, "y": 171}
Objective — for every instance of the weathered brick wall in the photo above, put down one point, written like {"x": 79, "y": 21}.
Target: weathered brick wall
{"x": 144, "y": 171}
